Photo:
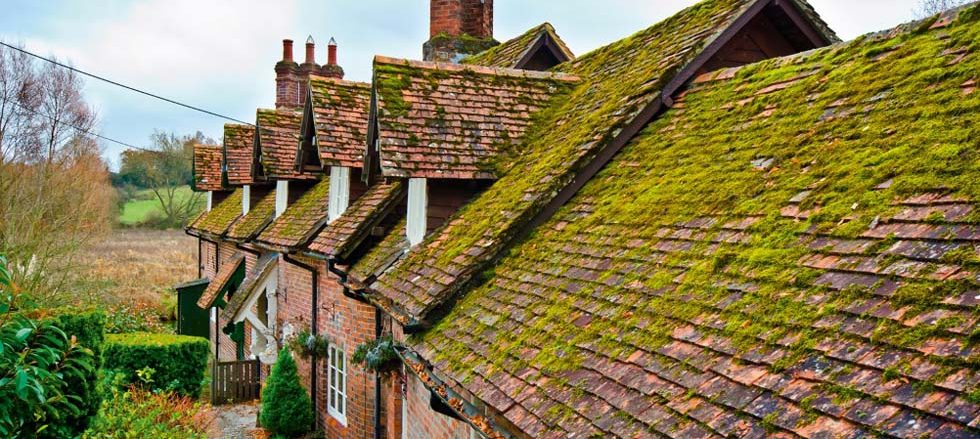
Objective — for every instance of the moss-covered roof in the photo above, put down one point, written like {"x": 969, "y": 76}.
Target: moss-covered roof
{"x": 341, "y": 118}
{"x": 618, "y": 82}
{"x": 258, "y": 217}
{"x": 220, "y": 218}
{"x": 380, "y": 257}
{"x": 207, "y": 167}
{"x": 279, "y": 132}
{"x": 510, "y": 53}
{"x": 791, "y": 250}
{"x": 450, "y": 121}
{"x": 301, "y": 220}
{"x": 343, "y": 234}
{"x": 239, "y": 150}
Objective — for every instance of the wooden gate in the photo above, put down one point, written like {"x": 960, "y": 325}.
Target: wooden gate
{"x": 235, "y": 381}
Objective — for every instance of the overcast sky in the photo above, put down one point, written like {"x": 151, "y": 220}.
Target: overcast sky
{"x": 219, "y": 54}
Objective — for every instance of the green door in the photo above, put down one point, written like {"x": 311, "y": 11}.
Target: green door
{"x": 192, "y": 320}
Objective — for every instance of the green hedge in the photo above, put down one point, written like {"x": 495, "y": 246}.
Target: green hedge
{"x": 157, "y": 361}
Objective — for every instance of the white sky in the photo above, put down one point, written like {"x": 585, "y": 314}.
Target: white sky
{"x": 219, "y": 54}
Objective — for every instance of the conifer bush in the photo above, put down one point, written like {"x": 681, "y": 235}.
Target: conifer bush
{"x": 286, "y": 406}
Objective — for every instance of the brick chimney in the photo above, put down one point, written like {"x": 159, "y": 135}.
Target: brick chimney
{"x": 458, "y": 28}
{"x": 287, "y": 79}
{"x": 331, "y": 69}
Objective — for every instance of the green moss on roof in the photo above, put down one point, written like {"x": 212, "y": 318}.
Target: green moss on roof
{"x": 301, "y": 220}
{"x": 511, "y": 52}
{"x": 772, "y": 236}
{"x": 618, "y": 81}
{"x": 221, "y": 217}
{"x": 258, "y": 217}
{"x": 382, "y": 255}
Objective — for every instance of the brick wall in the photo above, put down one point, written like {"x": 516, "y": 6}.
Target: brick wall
{"x": 206, "y": 262}
{"x": 456, "y": 17}
{"x": 421, "y": 422}
{"x": 295, "y": 294}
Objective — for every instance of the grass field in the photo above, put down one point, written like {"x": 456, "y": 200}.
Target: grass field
{"x": 134, "y": 270}
{"x": 145, "y": 205}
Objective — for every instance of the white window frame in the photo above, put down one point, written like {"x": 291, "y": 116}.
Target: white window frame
{"x": 246, "y": 199}
{"x": 337, "y": 404}
{"x": 210, "y": 200}
{"x": 418, "y": 201}
{"x": 339, "y": 198}
{"x": 282, "y": 197}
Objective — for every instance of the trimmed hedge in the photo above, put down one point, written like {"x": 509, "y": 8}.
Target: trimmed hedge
{"x": 166, "y": 362}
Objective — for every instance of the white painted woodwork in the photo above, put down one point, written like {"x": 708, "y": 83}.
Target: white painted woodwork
{"x": 418, "y": 202}
{"x": 282, "y": 197}
{"x": 339, "y": 198}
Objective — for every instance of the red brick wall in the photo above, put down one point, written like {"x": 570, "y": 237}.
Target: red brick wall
{"x": 206, "y": 262}
{"x": 424, "y": 423}
{"x": 345, "y": 322}
{"x": 478, "y": 18}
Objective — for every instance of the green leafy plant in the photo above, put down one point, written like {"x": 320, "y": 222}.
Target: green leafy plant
{"x": 306, "y": 344}
{"x": 377, "y": 355}
{"x": 160, "y": 362}
{"x": 286, "y": 406}
{"x": 37, "y": 362}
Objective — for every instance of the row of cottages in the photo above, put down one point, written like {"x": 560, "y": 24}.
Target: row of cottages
{"x": 728, "y": 224}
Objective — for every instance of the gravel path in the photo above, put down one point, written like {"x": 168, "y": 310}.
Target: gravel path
{"x": 234, "y": 421}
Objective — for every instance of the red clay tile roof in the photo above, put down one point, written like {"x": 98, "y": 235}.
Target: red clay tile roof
{"x": 300, "y": 222}
{"x": 219, "y": 285}
{"x": 279, "y": 132}
{"x": 207, "y": 167}
{"x": 791, "y": 251}
{"x": 619, "y": 82}
{"x": 381, "y": 257}
{"x": 259, "y": 216}
{"x": 220, "y": 218}
{"x": 450, "y": 121}
{"x": 341, "y": 116}
{"x": 511, "y": 53}
{"x": 240, "y": 159}
{"x": 341, "y": 236}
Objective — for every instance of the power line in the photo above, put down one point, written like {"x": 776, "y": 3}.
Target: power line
{"x": 134, "y": 89}
{"x": 76, "y": 127}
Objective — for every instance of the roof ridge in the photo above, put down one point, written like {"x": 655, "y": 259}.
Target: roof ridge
{"x": 340, "y": 81}
{"x": 493, "y": 71}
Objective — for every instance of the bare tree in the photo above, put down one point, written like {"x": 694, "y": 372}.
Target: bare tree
{"x": 55, "y": 195}
{"x": 928, "y": 8}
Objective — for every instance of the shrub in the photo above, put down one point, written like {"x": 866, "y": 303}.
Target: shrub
{"x": 38, "y": 361}
{"x": 134, "y": 412}
{"x": 286, "y": 406}
{"x": 87, "y": 328}
{"x": 160, "y": 362}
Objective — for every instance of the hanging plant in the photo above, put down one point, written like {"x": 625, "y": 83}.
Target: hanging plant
{"x": 306, "y": 344}
{"x": 377, "y": 355}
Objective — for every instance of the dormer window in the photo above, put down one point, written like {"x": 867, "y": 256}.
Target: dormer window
{"x": 339, "y": 193}
{"x": 418, "y": 201}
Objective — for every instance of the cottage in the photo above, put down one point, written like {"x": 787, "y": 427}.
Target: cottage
{"x": 727, "y": 224}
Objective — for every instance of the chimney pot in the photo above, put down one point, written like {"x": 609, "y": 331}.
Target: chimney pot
{"x": 287, "y": 50}
{"x": 310, "y": 54}
{"x": 332, "y": 52}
